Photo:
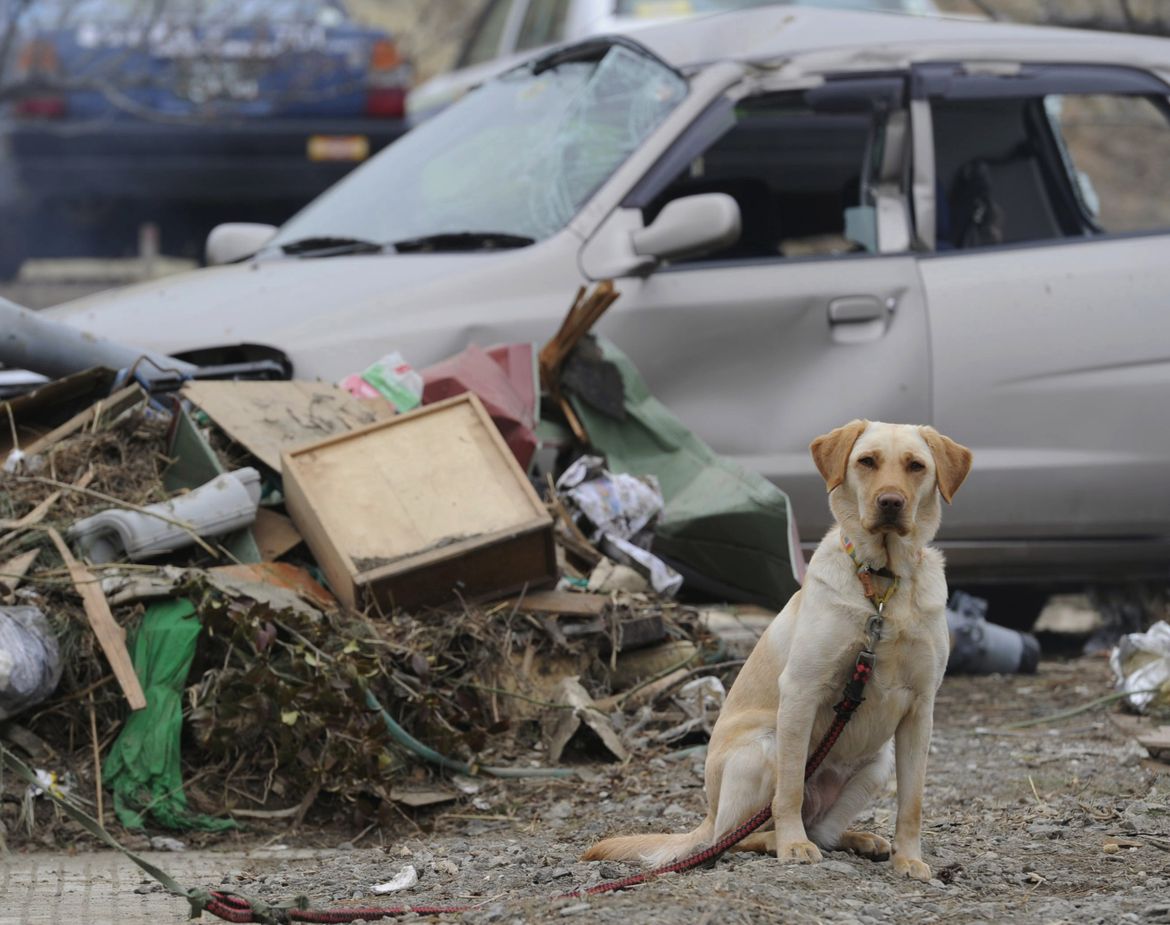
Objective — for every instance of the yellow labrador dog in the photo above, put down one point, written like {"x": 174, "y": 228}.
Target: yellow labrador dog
{"x": 884, "y": 483}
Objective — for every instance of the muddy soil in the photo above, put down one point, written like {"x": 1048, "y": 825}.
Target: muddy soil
{"x": 1063, "y": 822}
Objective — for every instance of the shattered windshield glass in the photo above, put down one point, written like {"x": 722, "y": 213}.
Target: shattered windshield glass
{"x": 519, "y": 156}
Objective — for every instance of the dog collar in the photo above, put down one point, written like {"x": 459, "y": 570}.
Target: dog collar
{"x": 865, "y": 575}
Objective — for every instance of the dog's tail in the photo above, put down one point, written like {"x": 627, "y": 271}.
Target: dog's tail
{"x": 651, "y": 850}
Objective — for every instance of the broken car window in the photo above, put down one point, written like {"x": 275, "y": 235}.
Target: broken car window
{"x": 519, "y": 156}
{"x": 1117, "y": 150}
{"x": 793, "y": 173}
{"x": 1014, "y": 170}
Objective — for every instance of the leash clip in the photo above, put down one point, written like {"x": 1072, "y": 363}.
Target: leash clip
{"x": 873, "y": 627}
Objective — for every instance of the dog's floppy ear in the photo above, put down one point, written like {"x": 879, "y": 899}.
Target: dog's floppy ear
{"x": 831, "y": 451}
{"x": 952, "y": 461}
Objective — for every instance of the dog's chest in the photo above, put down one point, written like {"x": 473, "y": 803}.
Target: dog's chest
{"x": 909, "y": 658}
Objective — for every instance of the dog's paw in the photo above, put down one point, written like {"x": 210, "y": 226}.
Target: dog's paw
{"x": 914, "y": 868}
{"x": 803, "y": 852}
{"x": 866, "y": 844}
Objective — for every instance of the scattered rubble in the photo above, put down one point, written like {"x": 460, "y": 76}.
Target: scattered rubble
{"x": 395, "y": 611}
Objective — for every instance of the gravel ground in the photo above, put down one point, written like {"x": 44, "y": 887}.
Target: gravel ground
{"x": 1062, "y": 822}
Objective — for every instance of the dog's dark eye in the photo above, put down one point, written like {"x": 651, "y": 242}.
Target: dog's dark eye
{"x": 868, "y": 461}
{"x": 915, "y": 466}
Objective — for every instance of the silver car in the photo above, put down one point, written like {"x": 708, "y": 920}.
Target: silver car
{"x": 811, "y": 216}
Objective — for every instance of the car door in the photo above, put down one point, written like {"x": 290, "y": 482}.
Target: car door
{"x": 815, "y": 316}
{"x": 1049, "y": 324}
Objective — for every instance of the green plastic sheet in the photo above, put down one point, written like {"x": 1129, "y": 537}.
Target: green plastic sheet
{"x": 143, "y": 767}
{"x": 728, "y": 530}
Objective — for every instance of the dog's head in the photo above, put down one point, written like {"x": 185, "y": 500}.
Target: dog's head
{"x": 886, "y": 478}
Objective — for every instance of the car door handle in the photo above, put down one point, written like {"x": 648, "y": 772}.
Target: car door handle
{"x": 856, "y": 309}
{"x": 859, "y": 319}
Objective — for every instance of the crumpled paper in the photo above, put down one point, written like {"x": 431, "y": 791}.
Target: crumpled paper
{"x": 620, "y": 511}
{"x": 1141, "y": 665}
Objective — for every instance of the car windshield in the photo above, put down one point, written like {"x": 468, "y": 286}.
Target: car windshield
{"x": 517, "y": 157}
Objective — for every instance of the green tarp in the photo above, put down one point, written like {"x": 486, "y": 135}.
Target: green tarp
{"x": 726, "y": 529}
{"x": 143, "y": 768}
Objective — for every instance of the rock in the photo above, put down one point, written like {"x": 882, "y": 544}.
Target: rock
{"x": 574, "y": 909}
{"x": 551, "y": 873}
{"x": 562, "y": 809}
{"x": 838, "y": 867}
{"x": 443, "y": 866}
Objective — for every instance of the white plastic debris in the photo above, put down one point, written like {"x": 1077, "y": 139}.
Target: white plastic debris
{"x": 59, "y": 785}
{"x": 618, "y": 512}
{"x": 30, "y": 662}
{"x": 403, "y": 880}
{"x": 1141, "y": 665}
{"x": 228, "y": 502}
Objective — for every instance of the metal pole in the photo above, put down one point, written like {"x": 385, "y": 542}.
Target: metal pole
{"x": 53, "y": 348}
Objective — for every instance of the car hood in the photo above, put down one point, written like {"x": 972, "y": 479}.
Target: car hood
{"x": 331, "y": 316}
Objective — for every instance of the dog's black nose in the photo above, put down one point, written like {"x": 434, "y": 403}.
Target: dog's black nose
{"x": 890, "y": 504}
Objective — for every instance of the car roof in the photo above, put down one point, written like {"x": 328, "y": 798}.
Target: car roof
{"x": 821, "y": 40}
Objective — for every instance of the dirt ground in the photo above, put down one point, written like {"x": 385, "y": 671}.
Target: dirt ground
{"x": 1062, "y": 822}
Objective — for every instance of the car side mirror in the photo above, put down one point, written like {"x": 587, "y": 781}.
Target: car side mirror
{"x": 236, "y": 240}
{"x": 689, "y": 226}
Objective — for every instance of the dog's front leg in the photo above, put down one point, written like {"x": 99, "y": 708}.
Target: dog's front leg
{"x": 794, "y": 722}
{"x": 911, "y": 746}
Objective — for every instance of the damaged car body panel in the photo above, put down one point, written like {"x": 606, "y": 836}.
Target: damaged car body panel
{"x": 890, "y": 263}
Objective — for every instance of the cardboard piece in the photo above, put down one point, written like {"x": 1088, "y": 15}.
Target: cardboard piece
{"x": 269, "y": 418}
{"x": 271, "y": 583}
{"x": 476, "y": 371}
{"x": 275, "y": 534}
{"x": 420, "y": 509}
{"x": 585, "y": 710}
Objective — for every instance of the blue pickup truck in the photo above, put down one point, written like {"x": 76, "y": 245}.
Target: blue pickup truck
{"x": 119, "y": 112}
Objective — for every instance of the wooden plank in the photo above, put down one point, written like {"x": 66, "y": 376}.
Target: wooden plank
{"x": 107, "y": 408}
{"x": 275, "y": 534}
{"x": 434, "y": 492}
{"x": 110, "y": 635}
{"x": 13, "y": 571}
{"x": 568, "y": 603}
{"x": 270, "y": 418}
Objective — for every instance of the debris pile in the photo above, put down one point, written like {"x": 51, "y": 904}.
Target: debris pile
{"x": 228, "y": 601}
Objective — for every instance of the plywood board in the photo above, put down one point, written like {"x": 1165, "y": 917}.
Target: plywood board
{"x": 431, "y": 498}
{"x": 269, "y": 418}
